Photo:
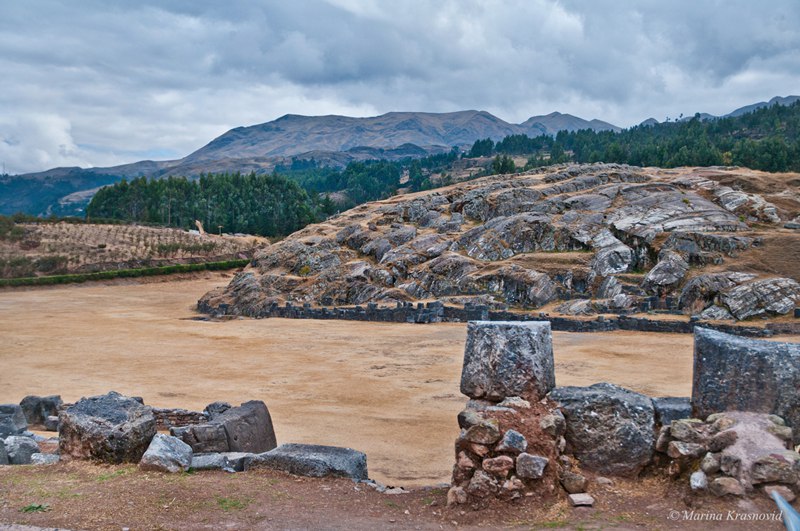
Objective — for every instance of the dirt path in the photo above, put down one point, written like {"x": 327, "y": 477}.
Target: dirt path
{"x": 390, "y": 390}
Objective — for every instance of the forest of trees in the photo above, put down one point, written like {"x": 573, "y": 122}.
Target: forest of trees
{"x": 766, "y": 139}
{"x": 267, "y": 205}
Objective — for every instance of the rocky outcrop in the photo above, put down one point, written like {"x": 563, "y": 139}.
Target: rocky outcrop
{"x": 522, "y": 240}
{"x": 111, "y": 428}
{"x": 503, "y": 359}
{"x": 737, "y": 374}
{"x": 313, "y": 460}
{"x": 773, "y": 296}
{"x": 609, "y": 429}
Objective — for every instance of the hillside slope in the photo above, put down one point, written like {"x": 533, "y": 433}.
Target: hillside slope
{"x": 601, "y": 237}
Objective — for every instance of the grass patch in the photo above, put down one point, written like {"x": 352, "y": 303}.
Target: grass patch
{"x": 35, "y": 508}
{"x": 231, "y": 504}
{"x": 111, "y": 475}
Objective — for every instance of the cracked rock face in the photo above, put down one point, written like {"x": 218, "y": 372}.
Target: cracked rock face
{"x": 595, "y": 231}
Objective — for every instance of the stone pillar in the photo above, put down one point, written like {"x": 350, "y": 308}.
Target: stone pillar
{"x": 503, "y": 359}
{"x": 732, "y": 373}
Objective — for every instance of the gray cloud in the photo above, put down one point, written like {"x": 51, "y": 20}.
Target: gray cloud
{"x": 101, "y": 83}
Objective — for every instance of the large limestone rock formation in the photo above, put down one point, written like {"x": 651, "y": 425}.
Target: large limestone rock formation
{"x": 617, "y": 235}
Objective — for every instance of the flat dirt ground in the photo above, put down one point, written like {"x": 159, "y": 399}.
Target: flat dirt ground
{"x": 390, "y": 390}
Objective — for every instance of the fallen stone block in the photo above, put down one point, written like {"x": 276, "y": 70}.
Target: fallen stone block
{"x": 238, "y": 459}
{"x": 312, "y": 460}
{"x": 12, "y": 420}
{"x": 732, "y": 373}
{"x": 167, "y": 454}
{"x": 248, "y": 427}
{"x": 44, "y": 459}
{"x": 111, "y": 428}
{"x": 211, "y": 462}
{"x": 609, "y": 429}
{"x": 20, "y": 449}
{"x": 38, "y": 408}
{"x": 503, "y": 359}
{"x": 203, "y": 438}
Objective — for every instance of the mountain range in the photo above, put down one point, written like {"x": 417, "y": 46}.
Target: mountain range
{"x": 330, "y": 140}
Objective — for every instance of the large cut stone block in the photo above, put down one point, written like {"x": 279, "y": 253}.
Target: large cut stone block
{"x": 503, "y": 359}
{"x": 111, "y": 428}
{"x": 247, "y": 428}
{"x": 313, "y": 460}
{"x": 737, "y": 374}
{"x": 609, "y": 428}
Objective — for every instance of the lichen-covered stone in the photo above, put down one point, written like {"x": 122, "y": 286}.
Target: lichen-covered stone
{"x": 503, "y": 359}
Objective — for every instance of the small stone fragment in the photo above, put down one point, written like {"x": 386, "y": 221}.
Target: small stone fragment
{"x": 685, "y": 450}
{"x": 482, "y": 485}
{"x": 512, "y": 442}
{"x": 487, "y": 432}
{"x": 580, "y": 500}
{"x": 710, "y": 463}
{"x": 44, "y": 459}
{"x": 573, "y": 483}
{"x": 554, "y": 424}
{"x": 464, "y": 462}
{"x": 724, "y": 439}
{"x": 456, "y": 496}
{"x": 531, "y": 466}
{"x": 167, "y": 454}
{"x": 515, "y": 402}
{"x": 726, "y": 486}
{"x": 686, "y": 430}
{"x": 698, "y": 481}
{"x": 499, "y": 466}
{"x": 784, "y": 491}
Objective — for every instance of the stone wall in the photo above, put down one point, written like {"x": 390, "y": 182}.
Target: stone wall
{"x": 437, "y": 312}
{"x": 167, "y": 418}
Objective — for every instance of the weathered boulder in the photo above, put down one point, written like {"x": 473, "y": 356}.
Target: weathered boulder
{"x": 38, "y": 408}
{"x": 247, "y": 428}
{"x": 612, "y": 256}
{"x": 167, "y": 454}
{"x": 20, "y": 449}
{"x": 112, "y": 428}
{"x": 12, "y": 420}
{"x": 609, "y": 429}
{"x": 312, "y": 460}
{"x": 503, "y": 359}
{"x": 482, "y": 485}
{"x": 732, "y": 373}
{"x": 772, "y": 296}
{"x": 573, "y": 482}
{"x": 716, "y": 313}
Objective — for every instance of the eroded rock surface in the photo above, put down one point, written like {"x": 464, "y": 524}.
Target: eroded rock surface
{"x": 612, "y": 234}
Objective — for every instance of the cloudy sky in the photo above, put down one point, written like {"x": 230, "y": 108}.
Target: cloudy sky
{"x": 103, "y": 82}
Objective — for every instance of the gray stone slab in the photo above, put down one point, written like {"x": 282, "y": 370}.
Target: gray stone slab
{"x": 313, "y": 460}
{"x": 732, "y": 373}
